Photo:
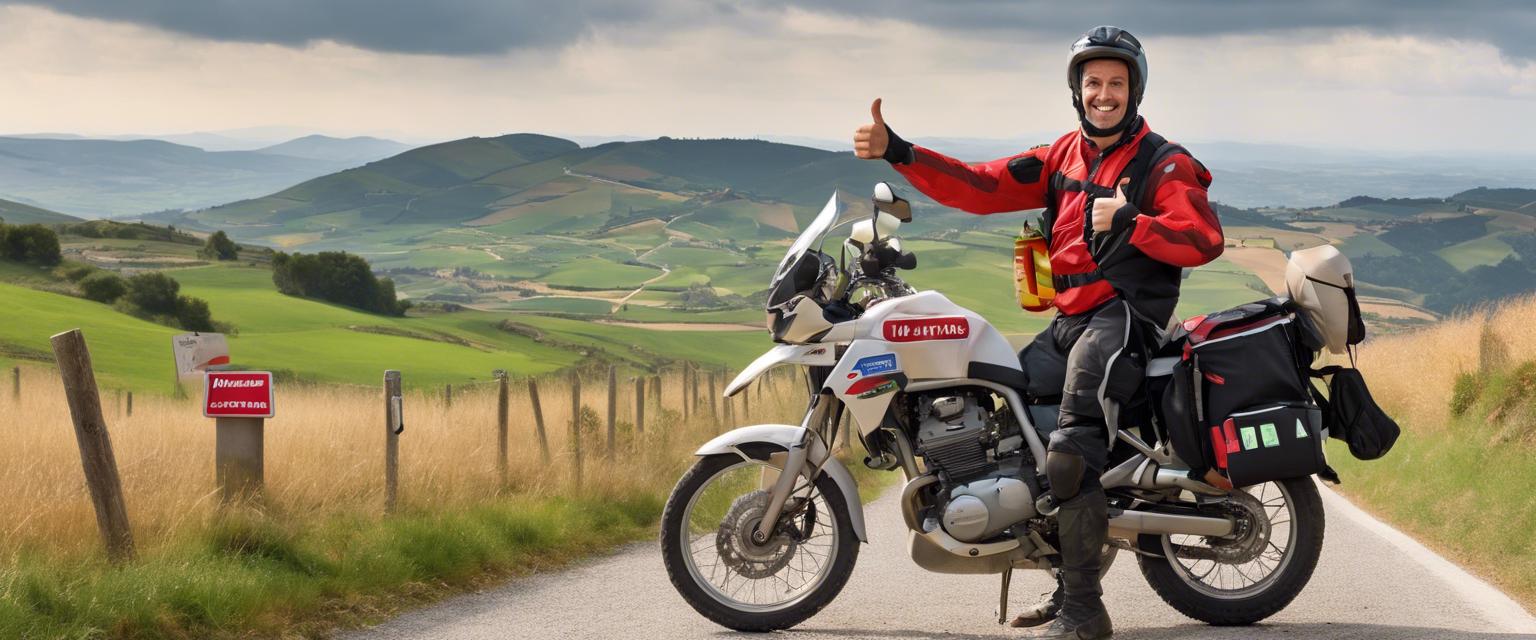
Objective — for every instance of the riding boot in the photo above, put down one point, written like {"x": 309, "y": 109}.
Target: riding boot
{"x": 1084, "y": 526}
{"x": 1044, "y": 612}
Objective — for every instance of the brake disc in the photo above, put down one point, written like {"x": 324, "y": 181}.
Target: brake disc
{"x": 1249, "y": 538}
{"x": 733, "y": 540}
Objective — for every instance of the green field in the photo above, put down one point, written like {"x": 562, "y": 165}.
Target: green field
{"x": 560, "y": 304}
{"x": 638, "y": 313}
{"x": 1486, "y": 250}
{"x": 323, "y": 342}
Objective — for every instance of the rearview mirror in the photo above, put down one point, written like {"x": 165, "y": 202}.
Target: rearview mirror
{"x": 886, "y": 201}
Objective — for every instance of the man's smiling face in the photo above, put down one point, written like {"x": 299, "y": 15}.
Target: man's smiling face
{"x": 1106, "y": 91}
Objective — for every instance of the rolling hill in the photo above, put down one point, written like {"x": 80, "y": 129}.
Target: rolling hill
{"x": 18, "y": 213}
{"x": 352, "y": 151}
{"x": 116, "y": 178}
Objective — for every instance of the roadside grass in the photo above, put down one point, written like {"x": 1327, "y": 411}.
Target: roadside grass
{"x": 1459, "y": 481}
{"x": 316, "y": 551}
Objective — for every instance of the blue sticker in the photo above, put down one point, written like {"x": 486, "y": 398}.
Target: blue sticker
{"x": 876, "y": 364}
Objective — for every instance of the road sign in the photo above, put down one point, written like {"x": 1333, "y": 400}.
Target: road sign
{"x": 238, "y": 394}
{"x": 198, "y": 352}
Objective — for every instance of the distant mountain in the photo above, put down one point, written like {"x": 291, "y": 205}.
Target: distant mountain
{"x": 490, "y": 181}
{"x": 113, "y": 178}
{"x": 357, "y": 151}
{"x": 17, "y": 213}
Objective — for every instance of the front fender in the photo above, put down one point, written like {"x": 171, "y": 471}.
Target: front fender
{"x": 771, "y": 438}
{"x": 806, "y": 354}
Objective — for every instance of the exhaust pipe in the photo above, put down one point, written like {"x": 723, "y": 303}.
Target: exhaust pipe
{"x": 1131, "y": 523}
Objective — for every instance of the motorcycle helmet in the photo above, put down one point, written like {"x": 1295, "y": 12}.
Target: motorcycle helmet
{"x": 1321, "y": 282}
{"x": 1107, "y": 42}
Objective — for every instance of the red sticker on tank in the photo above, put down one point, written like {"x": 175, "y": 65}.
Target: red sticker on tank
{"x": 918, "y": 329}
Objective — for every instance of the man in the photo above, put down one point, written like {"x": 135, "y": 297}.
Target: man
{"x": 1125, "y": 212}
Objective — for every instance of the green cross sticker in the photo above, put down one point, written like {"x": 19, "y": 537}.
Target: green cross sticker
{"x": 1250, "y": 439}
{"x": 1301, "y": 432}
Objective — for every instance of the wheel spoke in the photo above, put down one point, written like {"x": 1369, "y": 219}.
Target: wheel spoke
{"x": 741, "y": 574}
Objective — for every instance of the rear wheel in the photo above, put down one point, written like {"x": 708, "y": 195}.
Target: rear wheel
{"x": 713, "y": 561}
{"x": 1250, "y": 575}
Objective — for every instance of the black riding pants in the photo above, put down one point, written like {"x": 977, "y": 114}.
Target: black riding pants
{"x": 1099, "y": 352}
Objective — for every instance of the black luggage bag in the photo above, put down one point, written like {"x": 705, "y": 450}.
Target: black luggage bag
{"x": 1238, "y": 400}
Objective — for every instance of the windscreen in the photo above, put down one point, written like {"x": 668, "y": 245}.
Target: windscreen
{"x": 809, "y": 238}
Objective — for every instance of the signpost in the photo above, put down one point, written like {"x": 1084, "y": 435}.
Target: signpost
{"x": 198, "y": 352}
{"x": 240, "y": 402}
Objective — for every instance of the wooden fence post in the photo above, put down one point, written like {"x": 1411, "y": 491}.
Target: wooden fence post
{"x": 846, "y": 441}
{"x": 16, "y": 383}
{"x": 502, "y": 407}
{"x": 448, "y": 396}
{"x": 613, "y": 406}
{"x": 714, "y": 414}
{"x": 656, "y": 389}
{"x": 687, "y": 377}
{"x": 639, "y": 405}
{"x": 538, "y": 418}
{"x": 130, "y": 404}
{"x": 106, "y": 487}
{"x": 727, "y": 401}
{"x": 576, "y": 427}
{"x": 393, "y": 420}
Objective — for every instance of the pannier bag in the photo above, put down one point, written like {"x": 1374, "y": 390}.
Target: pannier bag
{"x": 1269, "y": 443}
{"x": 1245, "y": 359}
{"x": 1352, "y": 415}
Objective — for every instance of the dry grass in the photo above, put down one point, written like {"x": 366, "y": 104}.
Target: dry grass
{"x": 1461, "y": 484}
{"x": 325, "y": 454}
{"x": 1411, "y": 374}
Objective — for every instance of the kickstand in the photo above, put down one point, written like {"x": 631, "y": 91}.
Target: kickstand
{"x": 1002, "y": 598}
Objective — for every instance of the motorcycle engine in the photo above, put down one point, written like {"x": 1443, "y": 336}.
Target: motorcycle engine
{"x": 981, "y": 494}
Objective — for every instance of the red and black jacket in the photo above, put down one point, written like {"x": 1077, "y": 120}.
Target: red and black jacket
{"x": 1166, "y": 224}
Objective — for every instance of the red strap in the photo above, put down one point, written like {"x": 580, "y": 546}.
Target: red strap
{"x": 1219, "y": 446}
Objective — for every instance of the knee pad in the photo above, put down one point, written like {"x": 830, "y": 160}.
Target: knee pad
{"x": 1065, "y": 471}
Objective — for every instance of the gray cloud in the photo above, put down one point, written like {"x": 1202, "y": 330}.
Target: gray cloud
{"x": 451, "y": 27}
{"x": 468, "y": 27}
{"x": 1507, "y": 24}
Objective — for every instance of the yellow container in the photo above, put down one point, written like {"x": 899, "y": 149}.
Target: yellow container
{"x": 1032, "y": 270}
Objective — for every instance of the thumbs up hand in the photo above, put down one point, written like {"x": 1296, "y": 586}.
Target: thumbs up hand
{"x": 870, "y": 141}
{"x": 1104, "y": 208}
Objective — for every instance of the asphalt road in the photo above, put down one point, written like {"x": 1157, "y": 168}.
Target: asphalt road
{"x": 1371, "y": 582}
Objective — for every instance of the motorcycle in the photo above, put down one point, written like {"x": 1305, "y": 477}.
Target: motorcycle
{"x": 764, "y": 530}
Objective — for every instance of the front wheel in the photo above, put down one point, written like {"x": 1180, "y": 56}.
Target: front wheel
{"x": 712, "y": 560}
{"x": 1250, "y": 575}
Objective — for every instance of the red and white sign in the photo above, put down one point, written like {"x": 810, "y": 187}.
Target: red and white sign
{"x": 918, "y": 329}
{"x": 238, "y": 394}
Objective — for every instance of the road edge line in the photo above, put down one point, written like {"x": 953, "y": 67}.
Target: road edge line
{"x": 1487, "y": 599}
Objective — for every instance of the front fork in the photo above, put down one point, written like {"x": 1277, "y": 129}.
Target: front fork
{"x": 821, "y": 418}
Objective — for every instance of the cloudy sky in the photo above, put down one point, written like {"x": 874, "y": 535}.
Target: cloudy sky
{"x": 1414, "y": 75}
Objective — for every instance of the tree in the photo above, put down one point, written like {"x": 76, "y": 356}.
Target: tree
{"x": 103, "y": 286}
{"x": 335, "y": 276}
{"x": 220, "y": 247}
{"x": 193, "y": 314}
{"x": 32, "y": 243}
{"x": 154, "y": 292}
